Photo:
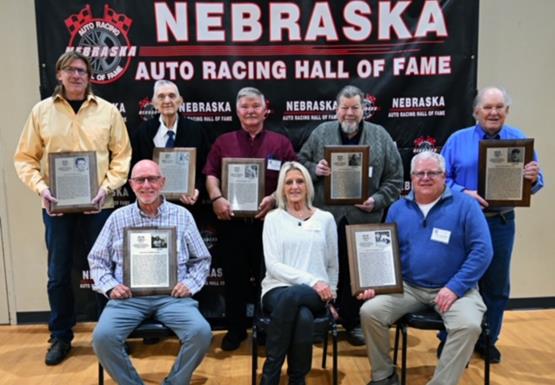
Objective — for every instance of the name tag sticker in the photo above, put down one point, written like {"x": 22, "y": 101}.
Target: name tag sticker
{"x": 274, "y": 164}
{"x": 440, "y": 235}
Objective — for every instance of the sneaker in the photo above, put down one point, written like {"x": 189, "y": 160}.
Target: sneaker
{"x": 232, "y": 340}
{"x": 57, "y": 351}
{"x": 494, "y": 353}
{"x": 356, "y": 337}
{"x": 391, "y": 380}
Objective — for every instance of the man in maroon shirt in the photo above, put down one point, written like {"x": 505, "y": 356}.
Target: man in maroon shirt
{"x": 242, "y": 238}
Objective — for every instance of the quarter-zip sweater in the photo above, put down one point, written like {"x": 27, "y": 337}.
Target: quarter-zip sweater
{"x": 450, "y": 247}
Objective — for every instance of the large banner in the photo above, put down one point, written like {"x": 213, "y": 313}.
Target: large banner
{"x": 415, "y": 61}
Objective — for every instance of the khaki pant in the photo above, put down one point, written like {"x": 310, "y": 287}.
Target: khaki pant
{"x": 462, "y": 321}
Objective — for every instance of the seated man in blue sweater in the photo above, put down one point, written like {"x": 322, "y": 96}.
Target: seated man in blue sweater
{"x": 445, "y": 248}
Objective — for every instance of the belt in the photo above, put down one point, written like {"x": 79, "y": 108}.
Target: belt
{"x": 491, "y": 214}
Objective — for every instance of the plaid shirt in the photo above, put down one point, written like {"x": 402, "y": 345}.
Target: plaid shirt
{"x": 106, "y": 256}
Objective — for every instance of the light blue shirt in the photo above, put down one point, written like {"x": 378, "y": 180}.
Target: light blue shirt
{"x": 106, "y": 256}
{"x": 461, "y": 153}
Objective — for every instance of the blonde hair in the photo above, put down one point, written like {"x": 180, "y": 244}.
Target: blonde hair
{"x": 280, "y": 193}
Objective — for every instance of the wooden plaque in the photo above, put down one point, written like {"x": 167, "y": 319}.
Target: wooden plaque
{"x": 243, "y": 184}
{"x": 73, "y": 181}
{"x": 178, "y": 165}
{"x": 150, "y": 260}
{"x": 348, "y": 182}
{"x": 374, "y": 260}
{"x": 501, "y": 176}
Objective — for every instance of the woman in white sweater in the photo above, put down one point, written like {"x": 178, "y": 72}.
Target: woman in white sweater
{"x": 300, "y": 253}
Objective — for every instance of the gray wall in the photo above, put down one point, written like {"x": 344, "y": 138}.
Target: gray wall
{"x": 512, "y": 53}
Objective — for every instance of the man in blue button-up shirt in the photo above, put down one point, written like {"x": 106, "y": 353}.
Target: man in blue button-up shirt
{"x": 491, "y": 107}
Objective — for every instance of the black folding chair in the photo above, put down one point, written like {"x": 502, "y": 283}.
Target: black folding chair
{"x": 429, "y": 319}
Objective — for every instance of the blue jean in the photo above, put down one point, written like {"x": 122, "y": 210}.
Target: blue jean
{"x": 495, "y": 285}
{"x": 121, "y": 317}
{"x": 64, "y": 235}
{"x": 290, "y": 333}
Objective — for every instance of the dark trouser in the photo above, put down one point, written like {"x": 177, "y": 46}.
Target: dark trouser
{"x": 61, "y": 235}
{"x": 290, "y": 333}
{"x": 349, "y": 306}
{"x": 241, "y": 255}
{"x": 495, "y": 284}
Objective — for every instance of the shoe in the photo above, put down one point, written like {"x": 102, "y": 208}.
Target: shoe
{"x": 391, "y": 380}
{"x": 356, "y": 337}
{"x": 232, "y": 340}
{"x": 57, "y": 351}
{"x": 494, "y": 353}
{"x": 440, "y": 349}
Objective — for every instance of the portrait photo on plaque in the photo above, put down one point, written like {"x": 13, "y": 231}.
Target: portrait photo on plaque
{"x": 374, "y": 259}
{"x": 501, "y": 178}
{"x": 178, "y": 165}
{"x": 348, "y": 181}
{"x": 150, "y": 260}
{"x": 243, "y": 184}
{"x": 73, "y": 181}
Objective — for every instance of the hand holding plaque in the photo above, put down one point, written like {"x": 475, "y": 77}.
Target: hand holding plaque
{"x": 150, "y": 260}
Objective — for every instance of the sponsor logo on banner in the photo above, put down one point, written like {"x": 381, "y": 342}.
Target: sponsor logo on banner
{"x": 424, "y": 143}
{"x": 146, "y": 109}
{"x": 417, "y": 106}
{"x": 301, "y": 110}
{"x": 313, "y": 110}
{"x": 104, "y": 41}
{"x": 214, "y": 111}
{"x": 369, "y": 106}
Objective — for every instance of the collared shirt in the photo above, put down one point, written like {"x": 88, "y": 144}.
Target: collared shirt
{"x": 53, "y": 127}
{"x": 461, "y": 152}
{"x": 106, "y": 256}
{"x": 239, "y": 144}
{"x": 161, "y": 136}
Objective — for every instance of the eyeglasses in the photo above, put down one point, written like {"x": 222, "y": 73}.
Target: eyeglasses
{"x": 144, "y": 179}
{"x": 72, "y": 70}
{"x": 429, "y": 174}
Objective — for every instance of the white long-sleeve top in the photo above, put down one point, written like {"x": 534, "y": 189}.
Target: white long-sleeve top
{"x": 299, "y": 252}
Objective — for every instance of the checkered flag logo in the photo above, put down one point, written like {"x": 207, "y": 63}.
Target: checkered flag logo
{"x": 76, "y": 21}
{"x": 122, "y": 22}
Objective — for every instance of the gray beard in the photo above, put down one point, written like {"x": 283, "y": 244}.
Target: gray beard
{"x": 349, "y": 128}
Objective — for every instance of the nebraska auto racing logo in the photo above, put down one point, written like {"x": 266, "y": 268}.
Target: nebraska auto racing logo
{"x": 104, "y": 41}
